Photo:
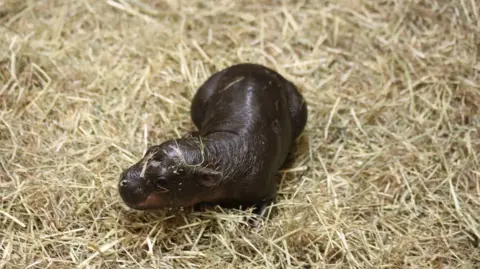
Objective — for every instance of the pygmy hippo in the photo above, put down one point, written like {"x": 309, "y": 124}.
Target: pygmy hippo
{"x": 248, "y": 118}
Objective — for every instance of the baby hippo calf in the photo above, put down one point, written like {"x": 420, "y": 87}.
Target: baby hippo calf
{"x": 248, "y": 117}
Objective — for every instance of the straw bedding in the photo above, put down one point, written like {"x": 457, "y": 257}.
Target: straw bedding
{"x": 385, "y": 175}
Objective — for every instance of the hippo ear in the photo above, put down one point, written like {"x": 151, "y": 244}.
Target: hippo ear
{"x": 207, "y": 177}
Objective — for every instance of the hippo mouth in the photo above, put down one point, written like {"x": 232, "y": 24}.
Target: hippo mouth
{"x": 152, "y": 201}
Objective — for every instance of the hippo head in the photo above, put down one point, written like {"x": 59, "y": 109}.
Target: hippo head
{"x": 169, "y": 175}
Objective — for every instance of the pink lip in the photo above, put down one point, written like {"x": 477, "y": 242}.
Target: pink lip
{"x": 153, "y": 201}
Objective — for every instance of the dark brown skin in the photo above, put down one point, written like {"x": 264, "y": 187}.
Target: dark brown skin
{"x": 248, "y": 117}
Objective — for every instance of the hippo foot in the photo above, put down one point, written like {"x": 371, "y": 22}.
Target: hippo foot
{"x": 260, "y": 213}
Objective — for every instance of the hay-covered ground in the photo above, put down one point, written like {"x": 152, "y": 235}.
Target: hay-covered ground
{"x": 386, "y": 174}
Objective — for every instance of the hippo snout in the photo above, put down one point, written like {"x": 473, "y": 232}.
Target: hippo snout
{"x": 132, "y": 188}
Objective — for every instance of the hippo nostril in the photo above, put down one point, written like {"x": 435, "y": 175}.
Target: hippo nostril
{"x": 124, "y": 183}
{"x": 132, "y": 191}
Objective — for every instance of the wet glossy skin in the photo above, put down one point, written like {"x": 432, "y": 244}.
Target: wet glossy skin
{"x": 248, "y": 117}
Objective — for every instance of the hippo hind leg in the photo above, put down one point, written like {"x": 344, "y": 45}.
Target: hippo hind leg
{"x": 298, "y": 109}
{"x": 299, "y": 114}
{"x": 201, "y": 97}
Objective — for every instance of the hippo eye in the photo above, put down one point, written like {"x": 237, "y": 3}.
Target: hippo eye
{"x": 161, "y": 189}
{"x": 161, "y": 179}
{"x": 159, "y": 184}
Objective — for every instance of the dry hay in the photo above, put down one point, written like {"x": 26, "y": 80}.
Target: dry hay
{"x": 386, "y": 173}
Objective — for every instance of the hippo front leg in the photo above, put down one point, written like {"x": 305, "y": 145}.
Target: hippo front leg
{"x": 261, "y": 209}
{"x": 260, "y": 213}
